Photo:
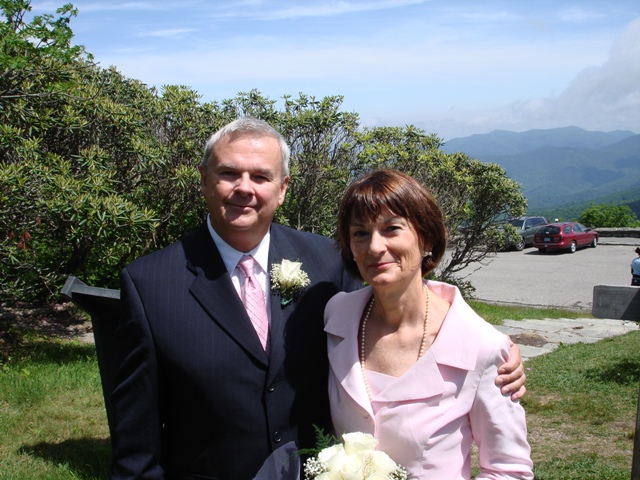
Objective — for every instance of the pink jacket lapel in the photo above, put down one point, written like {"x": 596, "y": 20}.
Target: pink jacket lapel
{"x": 422, "y": 380}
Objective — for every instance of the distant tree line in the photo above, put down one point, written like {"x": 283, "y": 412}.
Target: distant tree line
{"x": 620, "y": 210}
{"x": 609, "y": 216}
{"x": 97, "y": 169}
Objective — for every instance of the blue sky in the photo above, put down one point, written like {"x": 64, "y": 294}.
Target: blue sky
{"x": 453, "y": 68}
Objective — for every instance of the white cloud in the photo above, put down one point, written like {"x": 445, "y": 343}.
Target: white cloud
{"x": 117, "y": 7}
{"x": 335, "y": 8}
{"x": 605, "y": 97}
{"x": 168, "y": 33}
{"x": 484, "y": 15}
{"x": 579, "y": 15}
{"x": 598, "y": 96}
{"x": 297, "y": 10}
{"x": 457, "y": 67}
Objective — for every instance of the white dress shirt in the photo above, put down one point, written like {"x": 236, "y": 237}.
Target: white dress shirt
{"x": 231, "y": 257}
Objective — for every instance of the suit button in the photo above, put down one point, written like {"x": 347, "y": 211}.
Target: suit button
{"x": 271, "y": 388}
{"x": 277, "y": 437}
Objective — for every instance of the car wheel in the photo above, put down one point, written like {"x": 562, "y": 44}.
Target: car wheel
{"x": 542, "y": 250}
{"x": 594, "y": 242}
{"x": 573, "y": 247}
{"x": 520, "y": 245}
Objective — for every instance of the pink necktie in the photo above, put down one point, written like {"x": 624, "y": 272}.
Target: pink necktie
{"x": 253, "y": 300}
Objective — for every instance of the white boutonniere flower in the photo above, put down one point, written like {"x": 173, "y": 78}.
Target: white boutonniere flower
{"x": 289, "y": 279}
{"x": 356, "y": 459}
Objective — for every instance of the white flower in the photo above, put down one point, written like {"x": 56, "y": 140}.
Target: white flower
{"x": 326, "y": 476}
{"x": 358, "y": 442}
{"x": 382, "y": 463}
{"x": 289, "y": 278}
{"x": 328, "y": 453}
{"x": 377, "y": 476}
{"x": 356, "y": 460}
{"x": 289, "y": 269}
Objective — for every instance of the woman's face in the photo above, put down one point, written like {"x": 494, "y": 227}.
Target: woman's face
{"x": 387, "y": 251}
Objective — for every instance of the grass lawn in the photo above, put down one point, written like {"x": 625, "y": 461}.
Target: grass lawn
{"x": 581, "y": 409}
{"x": 495, "y": 314}
{"x": 581, "y": 401}
{"x": 52, "y": 419}
{"x": 581, "y": 406}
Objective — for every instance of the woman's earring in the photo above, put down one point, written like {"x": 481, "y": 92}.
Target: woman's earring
{"x": 426, "y": 254}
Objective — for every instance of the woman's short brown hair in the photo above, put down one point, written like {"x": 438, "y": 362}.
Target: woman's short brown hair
{"x": 391, "y": 190}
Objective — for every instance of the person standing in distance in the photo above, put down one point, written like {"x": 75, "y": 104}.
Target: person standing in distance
{"x": 635, "y": 269}
{"x": 198, "y": 393}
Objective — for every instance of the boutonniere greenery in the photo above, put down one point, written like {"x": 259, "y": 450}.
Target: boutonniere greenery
{"x": 288, "y": 279}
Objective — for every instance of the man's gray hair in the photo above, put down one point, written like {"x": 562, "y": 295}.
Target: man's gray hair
{"x": 253, "y": 127}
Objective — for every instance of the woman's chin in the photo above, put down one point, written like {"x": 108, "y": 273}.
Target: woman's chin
{"x": 380, "y": 281}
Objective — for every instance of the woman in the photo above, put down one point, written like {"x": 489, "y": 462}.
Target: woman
{"x": 411, "y": 363}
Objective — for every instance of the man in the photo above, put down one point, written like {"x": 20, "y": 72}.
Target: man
{"x": 197, "y": 395}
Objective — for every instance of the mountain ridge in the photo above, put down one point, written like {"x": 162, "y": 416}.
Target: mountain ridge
{"x": 560, "y": 166}
{"x": 503, "y": 142}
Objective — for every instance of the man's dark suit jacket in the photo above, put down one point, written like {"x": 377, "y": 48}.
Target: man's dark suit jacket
{"x": 195, "y": 396}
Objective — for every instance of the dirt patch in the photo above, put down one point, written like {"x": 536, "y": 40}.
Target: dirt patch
{"x": 530, "y": 339}
{"x": 62, "y": 320}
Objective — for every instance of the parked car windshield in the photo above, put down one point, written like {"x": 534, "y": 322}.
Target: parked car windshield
{"x": 517, "y": 222}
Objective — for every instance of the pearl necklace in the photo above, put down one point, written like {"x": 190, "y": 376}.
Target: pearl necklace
{"x": 363, "y": 334}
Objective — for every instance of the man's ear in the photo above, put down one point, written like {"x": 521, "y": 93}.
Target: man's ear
{"x": 283, "y": 190}
{"x": 203, "y": 176}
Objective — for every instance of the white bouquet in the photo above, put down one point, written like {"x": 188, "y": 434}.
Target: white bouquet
{"x": 356, "y": 459}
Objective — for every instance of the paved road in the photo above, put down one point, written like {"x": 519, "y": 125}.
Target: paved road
{"x": 555, "y": 278}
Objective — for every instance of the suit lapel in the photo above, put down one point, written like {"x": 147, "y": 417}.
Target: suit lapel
{"x": 214, "y": 290}
{"x": 279, "y": 249}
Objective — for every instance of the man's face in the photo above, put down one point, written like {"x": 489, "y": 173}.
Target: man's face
{"x": 242, "y": 187}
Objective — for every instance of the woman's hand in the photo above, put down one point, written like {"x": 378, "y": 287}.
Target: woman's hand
{"x": 511, "y": 376}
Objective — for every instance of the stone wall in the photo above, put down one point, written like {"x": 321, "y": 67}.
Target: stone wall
{"x": 619, "y": 232}
{"x": 616, "y": 301}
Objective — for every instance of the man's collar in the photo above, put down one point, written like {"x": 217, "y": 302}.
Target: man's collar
{"x": 231, "y": 256}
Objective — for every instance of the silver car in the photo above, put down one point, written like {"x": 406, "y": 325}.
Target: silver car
{"x": 526, "y": 227}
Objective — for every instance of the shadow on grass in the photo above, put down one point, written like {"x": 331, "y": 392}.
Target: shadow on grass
{"x": 86, "y": 458}
{"x": 41, "y": 350}
{"x": 25, "y": 328}
{"x": 47, "y": 351}
{"x": 622, "y": 372}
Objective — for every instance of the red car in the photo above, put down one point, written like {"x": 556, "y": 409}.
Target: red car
{"x": 564, "y": 236}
